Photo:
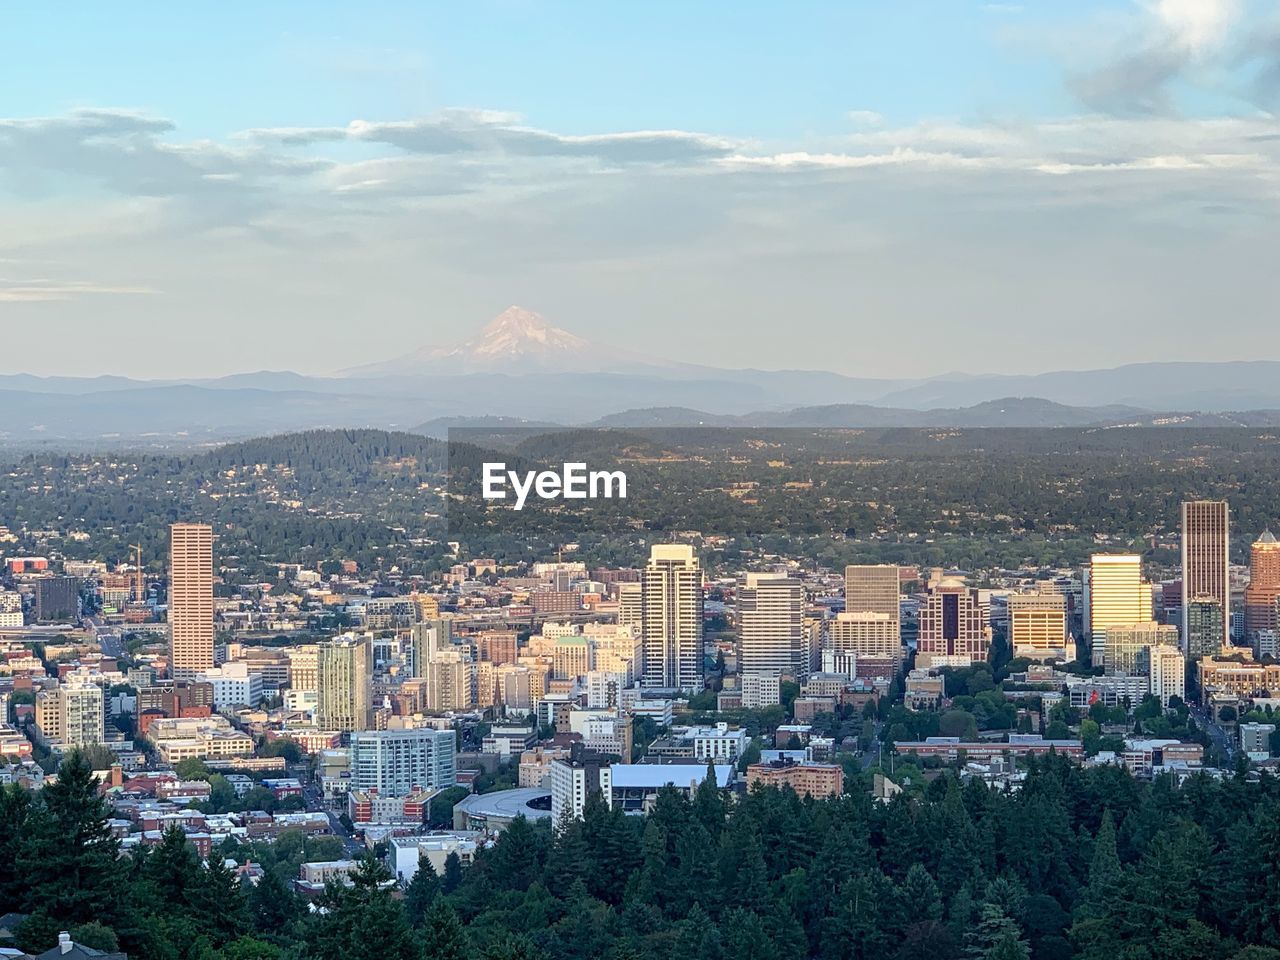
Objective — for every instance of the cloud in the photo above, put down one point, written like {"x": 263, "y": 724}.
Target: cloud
{"x": 1173, "y": 39}
{"x": 467, "y": 131}
{"x": 44, "y": 290}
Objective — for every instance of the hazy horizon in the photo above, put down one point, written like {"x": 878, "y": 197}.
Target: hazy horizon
{"x": 903, "y": 191}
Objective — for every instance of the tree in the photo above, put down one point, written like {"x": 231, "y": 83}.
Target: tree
{"x": 997, "y": 937}
{"x": 452, "y": 873}
{"x": 443, "y": 937}
{"x": 192, "y": 768}
{"x": 421, "y": 892}
{"x": 69, "y": 859}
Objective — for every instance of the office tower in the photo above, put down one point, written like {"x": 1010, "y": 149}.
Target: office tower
{"x": 771, "y": 625}
{"x": 303, "y": 667}
{"x": 671, "y": 618}
{"x": 451, "y": 681}
{"x": 57, "y": 598}
{"x": 398, "y": 762}
{"x": 1127, "y": 645}
{"x": 872, "y": 588}
{"x": 426, "y": 640}
{"x": 190, "y": 599}
{"x": 344, "y": 678}
{"x": 1118, "y": 596}
{"x": 1205, "y": 563}
{"x": 1202, "y": 626}
{"x": 865, "y": 634}
{"x": 1038, "y": 626}
{"x": 572, "y": 657}
{"x": 1264, "y": 586}
{"x": 1168, "y": 671}
{"x": 952, "y": 626}
{"x": 630, "y": 610}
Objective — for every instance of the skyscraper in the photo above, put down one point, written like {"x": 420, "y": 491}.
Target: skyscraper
{"x": 671, "y": 618}
{"x": 865, "y": 634}
{"x": 630, "y": 611}
{"x": 396, "y": 762}
{"x": 872, "y": 588}
{"x": 1202, "y": 626}
{"x": 1168, "y": 672}
{"x": 952, "y": 626}
{"x": 1264, "y": 586}
{"x": 1126, "y": 651}
{"x": 190, "y": 599}
{"x": 1205, "y": 563}
{"x": 344, "y": 678}
{"x": 57, "y": 598}
{"x": 771, "y": 625}
{"x": 1038, "y": 626}
{"x": 1118, "y": 596}
{"x": 427, "y": 639}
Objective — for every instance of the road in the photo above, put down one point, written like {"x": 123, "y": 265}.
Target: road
{"x": 315, "y": 802}
{"x": 1225, "y": 742}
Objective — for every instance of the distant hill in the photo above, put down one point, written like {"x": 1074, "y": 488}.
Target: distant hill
{"x": 1005, "y": 412}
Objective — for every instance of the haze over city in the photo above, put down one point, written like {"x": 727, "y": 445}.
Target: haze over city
{"x": 894, "y": 190}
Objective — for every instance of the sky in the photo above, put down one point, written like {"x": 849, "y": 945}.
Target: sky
{"x": 894, "y": 188}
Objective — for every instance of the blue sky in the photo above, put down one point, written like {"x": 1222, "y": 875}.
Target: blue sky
{"x": 329, "y": 183}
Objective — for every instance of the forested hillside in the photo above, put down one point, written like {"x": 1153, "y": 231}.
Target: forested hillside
{"x": 1081, "y": 863}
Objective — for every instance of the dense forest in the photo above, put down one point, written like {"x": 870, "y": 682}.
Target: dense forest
{"x": 973, "y": 498}
{"x": 1084, "y": 863}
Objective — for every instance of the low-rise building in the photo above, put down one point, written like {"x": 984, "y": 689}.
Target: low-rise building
{"x": 818, "y": 780}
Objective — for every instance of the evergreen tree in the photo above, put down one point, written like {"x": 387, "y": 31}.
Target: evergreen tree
{"x": 997, "y": 937}
{"x": 68, "y": 861}
{"x": 421, "y": 892}
{"x": 443, "y": 937}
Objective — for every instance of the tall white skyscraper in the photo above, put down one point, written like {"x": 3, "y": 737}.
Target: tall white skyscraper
{"x": 671, "y": 618}
{"x": 771, "y": 625}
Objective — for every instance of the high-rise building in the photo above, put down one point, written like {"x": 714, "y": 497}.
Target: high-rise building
{"x": 398, "y": 762}
{"x": 1205, "y": 563}
{"x": 190, "y": 599}
{"x": 630, "y": 608}
{"x": 771, "y": 625}
{"x": 671, "y": 618}
{"x": 865, "y": 634}
{"x": 952, "y": 628}
{"x": 452, "y": 680}
{"x": 1168, "y": 672}
{"x": 1118, "y": 596}
{"x": 1127, "y": 644}
{"x": 344, "y": 678}
{"x": 57, "y": 598}
{"x": 303, "y": 667}
{"x": 873, "y": 588}
{"x": 1038, "y": 626}
{"x": 10, "y": 609}
{"x": 426, "y": 640}
{"x": 1202, "y": 626}
{"x": 1264, "y": 586}
{"x": 83, "y": 714}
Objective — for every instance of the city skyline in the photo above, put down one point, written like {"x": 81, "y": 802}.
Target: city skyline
{"x": 1005, "y": 168}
